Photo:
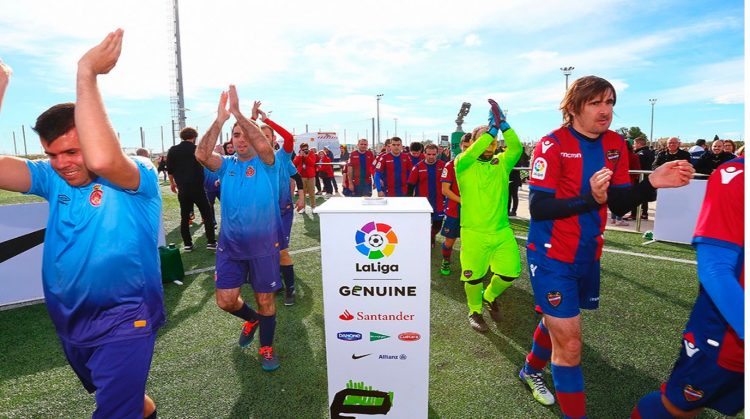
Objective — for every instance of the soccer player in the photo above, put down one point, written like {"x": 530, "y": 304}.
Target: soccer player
{"x": 486, "y": 236}
{"x": 286, "y": 170}
{"x": 100, "y": 269}
{"x": 251, "y": 224}
{"x": 392, "y": 171}
{"x": 451, "y": 225}
{"x": 710, "y": 369}
{"x": 424, "y": 180}
{"x": 359, "y": 170}
{"x": 416, "y": 153}
{"x": 576, "y": 172}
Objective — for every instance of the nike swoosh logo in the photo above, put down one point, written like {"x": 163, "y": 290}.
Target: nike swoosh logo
{"x": 15, "y": 246}
{"x": 359, "y": 356}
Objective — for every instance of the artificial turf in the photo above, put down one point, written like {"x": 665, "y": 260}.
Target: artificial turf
{"x": 199, "y": 371}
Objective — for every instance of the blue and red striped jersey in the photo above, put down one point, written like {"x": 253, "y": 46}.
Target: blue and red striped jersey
{"x": 394, "y": 171}
{"x": 362, "y": 166}
{"x": 562, "y": 164}
{"x": 426, "y": 179}
{"x": 719, "y": 233}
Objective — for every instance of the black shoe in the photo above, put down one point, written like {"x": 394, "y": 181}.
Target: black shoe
{"x": 494, "y": 309}
{"x": 477, "y": 322}
{"x": 511, "y": 214}
{"x": 289, "y": 298}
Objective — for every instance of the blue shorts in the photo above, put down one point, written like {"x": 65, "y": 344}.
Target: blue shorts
{"x": 698, "y": 381}
{"x": 561, "y": 289}
{"x": 363, "y": 189}
{"x": 286, "y": 228}
{"x": 117, "y": 372}
{"x": 451, "y": 227}
{"x": 263, "y": 273}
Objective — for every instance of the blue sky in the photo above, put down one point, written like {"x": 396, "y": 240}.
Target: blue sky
{"x": 323, "y": 63}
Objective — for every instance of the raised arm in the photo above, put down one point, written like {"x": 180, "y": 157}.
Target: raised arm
{"x": 5, "y": 73}
{"x": 251, "y": 131}
{"x": 101, "y": 150}
{"x": 204, "y": 151}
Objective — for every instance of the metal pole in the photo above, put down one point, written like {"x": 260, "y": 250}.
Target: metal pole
{"x": 23, "y": 132}
{"x": 653, "y": 102}
{"x": 173, "y": 136}
{"x": 143, "y": 139}
{"x": 162, "y": 139}
{"x": 377, "y": 102}
{"x": 15, "y": 149}
{"x": 373, "y": 133}
{"x": 567, "y": 71}
{"x": 178, "y": 53}
{"x": 395, "y": 127}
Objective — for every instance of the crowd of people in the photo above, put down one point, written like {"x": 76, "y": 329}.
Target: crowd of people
{"x": 102, "y": 199}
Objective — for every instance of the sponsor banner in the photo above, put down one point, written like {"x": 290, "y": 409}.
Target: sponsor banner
{"x": 376, "y": 298}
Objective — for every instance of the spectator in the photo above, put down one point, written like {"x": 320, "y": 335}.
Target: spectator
{"x": 325, "y": 172}
{"x": 186, "y": 180}
{"x": 646, "y": 161}
{"x": 741, "y": 151}
{"x": 515, "y": 183}
{"x": 445, "y": 154}
{"x": 672, "y": 153}
{"x": 305, "y": 163}
{"x": 318, "y": 188}
{"x": 633, "y": 164}
{"x": 697, "y": 150}
{"x": 211, "y": 185}
{"x": 344, "y": 153}
{"x": 329, "y": 154}
{"x": 162, "y": 166}
{"x": 729, "y": 146}
{"x": 228, "y": 148}
{"x": 712, "y": 159}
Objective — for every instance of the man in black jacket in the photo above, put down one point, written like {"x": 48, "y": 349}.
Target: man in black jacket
{"x": 672, "y": 153}
{"x": 711, "y": 159}
{"x": 186, "y": 180}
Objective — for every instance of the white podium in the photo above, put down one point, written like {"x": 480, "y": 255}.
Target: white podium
{"x": 376, "y": 301}
{"x": 677, "y": 211}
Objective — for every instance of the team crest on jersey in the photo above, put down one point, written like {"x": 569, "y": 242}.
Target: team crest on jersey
{"x": 95, "y": 198}
{"x": 539, "y": 169}
{"x": 692, "y": 394}
{"x": 613, "y": 155}
{"x": 554, "y": 298}
{"x": 445, "y": 172}
{"x": 250, "y": 171}
{"x": 468, "y": 273}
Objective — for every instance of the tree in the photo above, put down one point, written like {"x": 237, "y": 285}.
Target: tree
{"x": 635, "y": 132}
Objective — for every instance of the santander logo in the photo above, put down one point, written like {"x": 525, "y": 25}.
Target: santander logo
{"x": 346, "y": 315}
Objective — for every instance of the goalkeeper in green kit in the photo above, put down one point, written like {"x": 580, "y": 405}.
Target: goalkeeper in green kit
{"x": 487, "y": 240}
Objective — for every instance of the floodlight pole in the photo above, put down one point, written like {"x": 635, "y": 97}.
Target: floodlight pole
{"x": 378, "y": 113}
{"x": 653, "y": 102}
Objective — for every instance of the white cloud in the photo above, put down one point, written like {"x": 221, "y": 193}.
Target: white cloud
{"x": 472, "y": 40}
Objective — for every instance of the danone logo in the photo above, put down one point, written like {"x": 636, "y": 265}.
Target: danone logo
{"x": 349, "y": 336}
{"x": 375, "y": 240}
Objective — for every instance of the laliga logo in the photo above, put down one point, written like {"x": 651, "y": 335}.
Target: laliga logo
{"x": 375, "y": 240}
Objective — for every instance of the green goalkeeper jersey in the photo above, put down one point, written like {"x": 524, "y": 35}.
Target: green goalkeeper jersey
{"x": 484, "y": 184}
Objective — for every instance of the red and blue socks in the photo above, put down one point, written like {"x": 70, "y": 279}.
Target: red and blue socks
{"x": 650, "y": 406}
{"x": 569, "y": 390}
{"x": 447, "y": 252}
{"x": 541, "y": 350}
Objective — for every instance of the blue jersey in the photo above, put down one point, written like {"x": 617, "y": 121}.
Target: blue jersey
{"x": 286, "y": 171}
{"x": 209, "y": 180}
{"x": 100, "y": 269}
{"x": 251, "y": 220}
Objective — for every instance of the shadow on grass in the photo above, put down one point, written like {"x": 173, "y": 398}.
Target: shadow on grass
{"x": 293, "y": 389}
{"x": 641, "y": 285}
{"x": 29, "y": 343}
